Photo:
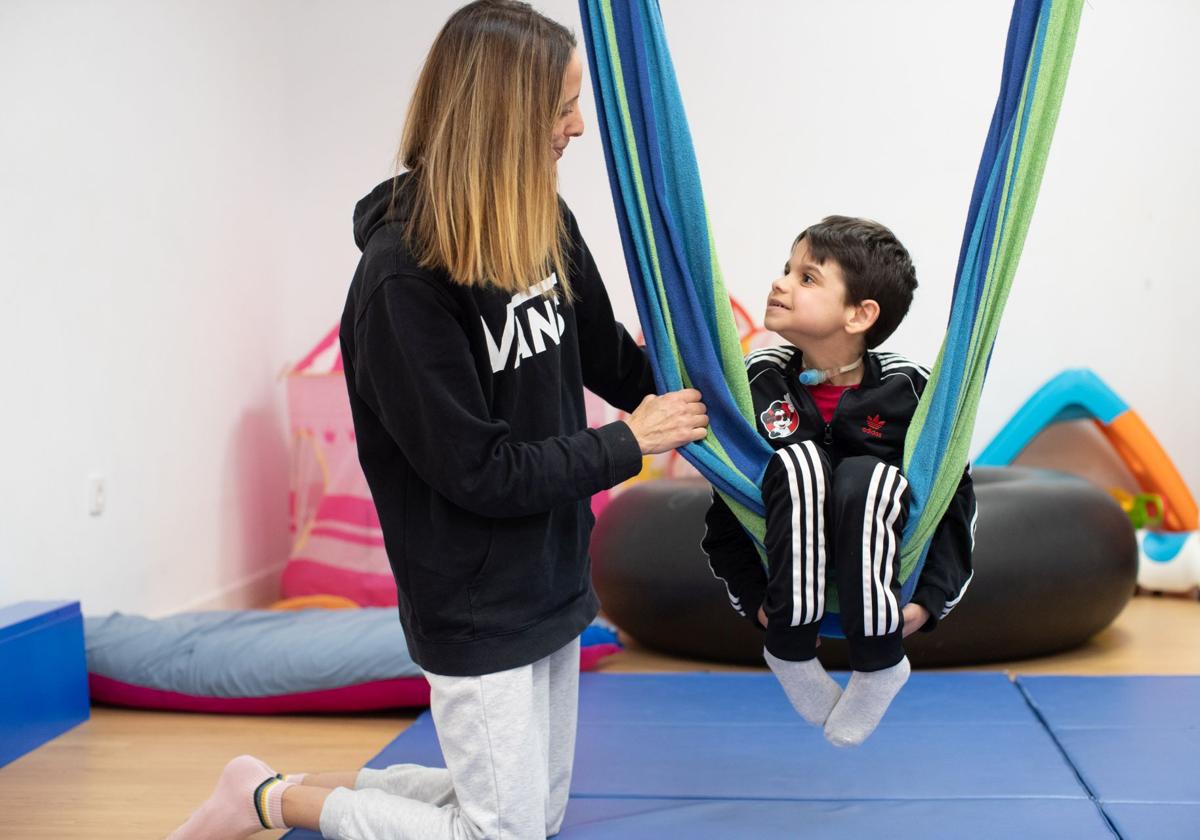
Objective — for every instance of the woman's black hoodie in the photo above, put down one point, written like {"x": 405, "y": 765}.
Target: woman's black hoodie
{"x": 469, "y": 418}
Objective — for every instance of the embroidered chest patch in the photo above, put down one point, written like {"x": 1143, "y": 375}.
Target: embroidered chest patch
{"x": 780, "y": 419}
{"x": 874, "y": 427}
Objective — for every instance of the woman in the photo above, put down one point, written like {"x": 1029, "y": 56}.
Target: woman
{"x": 473, "y": 322}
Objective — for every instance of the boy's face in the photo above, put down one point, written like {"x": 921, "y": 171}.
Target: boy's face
{"x": 808, "y": 303}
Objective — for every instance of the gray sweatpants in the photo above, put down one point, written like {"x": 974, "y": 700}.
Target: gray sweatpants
{"x": 509, "y": 743}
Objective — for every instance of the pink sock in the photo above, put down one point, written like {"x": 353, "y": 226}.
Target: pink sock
{"x": 246, "y": 789}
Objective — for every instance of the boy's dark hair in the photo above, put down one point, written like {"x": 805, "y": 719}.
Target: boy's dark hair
{"x": 876, "y": 266}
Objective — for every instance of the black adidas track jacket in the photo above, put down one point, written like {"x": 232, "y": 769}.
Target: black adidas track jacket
{"x": 872, "y": 419}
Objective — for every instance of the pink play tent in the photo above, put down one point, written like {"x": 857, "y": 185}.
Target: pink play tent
{"x": 337, "y": 546}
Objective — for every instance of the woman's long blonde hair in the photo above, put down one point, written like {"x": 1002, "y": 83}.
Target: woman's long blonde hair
{"x": 484, "y": 200}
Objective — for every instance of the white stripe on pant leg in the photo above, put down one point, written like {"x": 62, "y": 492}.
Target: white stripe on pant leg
{"x": 803, "y": 459}
{"x": 891, "y": 542}
{"x": 868, "y": 594}
{"x": 816, "y": 566}
{"x": 796, "y": 453}
{"x": 797, "y": 546}
{"x": 887, "y": 480}
{"x": 886, "y": 512}
{"x": 883, "y": 561}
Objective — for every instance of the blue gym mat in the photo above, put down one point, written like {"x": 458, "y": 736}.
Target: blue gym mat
{"x": 1135, "y": 743}
{"x": 958, "y": 755}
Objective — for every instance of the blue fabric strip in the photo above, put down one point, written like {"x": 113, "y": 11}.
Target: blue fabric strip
{"x": 619, "y": 179}
{"x": 1016, "y": 57}
{"x": 1027, "y": 32}
{"x": 695, "y": 331}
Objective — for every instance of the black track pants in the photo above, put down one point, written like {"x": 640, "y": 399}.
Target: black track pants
{"x": 845, "y": 522}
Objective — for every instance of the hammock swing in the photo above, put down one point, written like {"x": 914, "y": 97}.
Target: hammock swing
{"x": 681, "y": 299}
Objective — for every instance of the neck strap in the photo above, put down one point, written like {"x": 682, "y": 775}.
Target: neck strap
{"x": 816, "y": 376}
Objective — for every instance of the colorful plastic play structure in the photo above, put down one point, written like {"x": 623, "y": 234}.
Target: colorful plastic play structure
{"x": 1169, "y": 552}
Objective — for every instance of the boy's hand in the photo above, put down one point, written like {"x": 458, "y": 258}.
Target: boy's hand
{"x": 915, "y": 617}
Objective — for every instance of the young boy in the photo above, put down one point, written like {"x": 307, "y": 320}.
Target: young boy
{"x": 837, "y": 414}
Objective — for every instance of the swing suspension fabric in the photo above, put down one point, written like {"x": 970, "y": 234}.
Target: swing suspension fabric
{"x": 681, "y": 299}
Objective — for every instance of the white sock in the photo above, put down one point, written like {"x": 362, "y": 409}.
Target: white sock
{"x": 863, "y": 704}
{"x": 812, "y": 692}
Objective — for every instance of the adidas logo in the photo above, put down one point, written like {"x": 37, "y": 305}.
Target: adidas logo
{"x": 874, "y": 426}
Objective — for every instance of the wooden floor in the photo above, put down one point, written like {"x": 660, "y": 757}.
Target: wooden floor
{"x": 125, "y": 774}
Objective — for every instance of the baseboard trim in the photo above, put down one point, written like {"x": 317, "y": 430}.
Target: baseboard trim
{"x": 253, "y": 592}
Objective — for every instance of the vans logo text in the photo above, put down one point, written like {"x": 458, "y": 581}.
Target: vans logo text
{"x": 540, "y": 324}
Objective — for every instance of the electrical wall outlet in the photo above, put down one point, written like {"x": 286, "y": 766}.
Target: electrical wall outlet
{"x": 97, "y": 495}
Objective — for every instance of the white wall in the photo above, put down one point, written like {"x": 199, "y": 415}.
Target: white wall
{"x": 178, "y": 181}
{"x": 142, "y": 244}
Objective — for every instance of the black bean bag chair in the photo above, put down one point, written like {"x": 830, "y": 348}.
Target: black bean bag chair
{"x": 1055, "y": 563}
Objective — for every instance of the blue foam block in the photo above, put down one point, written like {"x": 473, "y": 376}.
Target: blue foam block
{"x": 1172, "y": 702}
{"x": 1159, "y": 821}
{"x": 994, "y": 819}
{"x": 43, "y": 674}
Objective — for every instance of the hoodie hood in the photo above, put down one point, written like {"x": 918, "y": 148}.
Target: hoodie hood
{"x": 371, "y": 212}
